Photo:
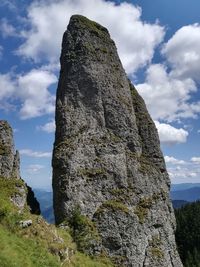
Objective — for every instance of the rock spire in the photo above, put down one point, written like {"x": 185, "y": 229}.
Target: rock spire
{"x": 10, "y": 169}
{"x": 107, "y": 162}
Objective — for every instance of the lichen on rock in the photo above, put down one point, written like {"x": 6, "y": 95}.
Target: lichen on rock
{"x": 107, "y": 158}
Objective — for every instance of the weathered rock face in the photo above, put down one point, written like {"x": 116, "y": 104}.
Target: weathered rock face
{"x": 107, "y": 159}
{"x": 9, "y": 159}
{"x": 10, "y": 169}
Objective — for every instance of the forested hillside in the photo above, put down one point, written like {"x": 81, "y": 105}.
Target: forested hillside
{"x": 188, "y": 234}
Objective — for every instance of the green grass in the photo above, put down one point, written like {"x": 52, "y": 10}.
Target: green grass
{"x": 113, "y": 205}
{"x": 84, "y": 231}
{"x": 9, "y": 188}
{"x": 16, "y": 251}
{"x": 40, "y": 244}
{"x": 82, "y": 260}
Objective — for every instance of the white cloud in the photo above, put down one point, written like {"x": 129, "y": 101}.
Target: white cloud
{"x": 195, "y": 160}
{"x": 33, "y": 90}
{"x": 35, "y": 154}
{"x": 166, "y": 97}
{"x": 136, "y": 40}
{"x": 173, "y": 160}
{"x": 7, "y": 92}
{"x": 49, "y": 127}
{"x": 170, "y": 135}
{"x": 7, "y": 29}
{"x": 183, "y": 53}
{"x": 34, "y": 168}
{"x": 183, "y": 174}
{"x": 7, "y": 86}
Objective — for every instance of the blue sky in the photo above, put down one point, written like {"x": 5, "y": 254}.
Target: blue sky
{"x": 158, "y": 43}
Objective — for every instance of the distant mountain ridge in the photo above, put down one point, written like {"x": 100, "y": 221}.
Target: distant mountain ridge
{"x": 46, "y": 203}
{"x": 190, "y": 195}
{"x": 184, "y": 186}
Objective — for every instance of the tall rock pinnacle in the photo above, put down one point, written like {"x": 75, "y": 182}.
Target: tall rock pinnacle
{"x": 107, "y": 162}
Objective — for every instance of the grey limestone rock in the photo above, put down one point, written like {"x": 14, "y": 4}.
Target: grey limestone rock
{"x": 10, "y": 169}
{"x": 25, "y": 224}
{"x": 9, "y": 159}
{"x": 107, "y": 162}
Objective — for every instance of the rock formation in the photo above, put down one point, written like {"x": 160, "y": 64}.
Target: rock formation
{"x": 10, "y": 169}
{"x": 107, "y": 162}
{"x": 9, "y": 159}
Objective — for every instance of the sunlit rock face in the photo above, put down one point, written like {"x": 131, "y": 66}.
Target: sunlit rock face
{"x": 107, "y": 161}
{"x": 9, "y": 158}
{"x": 10, "y": 169}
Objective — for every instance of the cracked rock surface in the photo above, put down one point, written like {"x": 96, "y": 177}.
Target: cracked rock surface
{"x": 107, "y": 159}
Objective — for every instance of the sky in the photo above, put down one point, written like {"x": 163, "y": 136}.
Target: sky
{"x": 159, "y": 45}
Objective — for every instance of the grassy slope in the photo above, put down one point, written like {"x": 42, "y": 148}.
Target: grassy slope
{"x": 38, "y": 245}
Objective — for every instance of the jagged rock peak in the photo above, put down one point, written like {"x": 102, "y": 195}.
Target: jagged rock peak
{"x": 10, "y": 169}
{"x": 107, "y": 162}
{"x": 9, "y": 158}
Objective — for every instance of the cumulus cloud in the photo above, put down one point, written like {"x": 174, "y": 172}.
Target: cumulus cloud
{"x": 7, "y": 89}
{"x": 7, "y": 29}
{"x": 170, "y": 135}
{"x": 7, "y": 86}
{"x": 183, "y": 53}
{"x": 35, "y": 154}
{"x": 196, "y": 160}
{"x": 168, "y": 98}
{"x": 33, "y": 90}
{"x": 34, "y": 168}
{"x": 48, "y": 127}
{"x": 136, "y": 40}
{"x": 186, "y": 173}
{"x": 173, "y": 160}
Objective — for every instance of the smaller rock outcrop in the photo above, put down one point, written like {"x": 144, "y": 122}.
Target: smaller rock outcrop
{"x": 9, "y": 159}
{"x": 10, "y": 169}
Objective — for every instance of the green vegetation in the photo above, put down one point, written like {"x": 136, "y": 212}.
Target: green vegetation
{"x": 122, "y": 194}
{"x": 141, "y": 212}
{"x": 113, "y": 205}
{"x": 9, "y": 188}
{"x": 82, "y": 260}
{"x": 144, "y": 205}
{"x": 157, "y": 252}
{"x": 155, "y": 249}
{"x": 96, "y": 28}
{"x": 42, "y": 244}
{"x": 91, "y": 172}
{"x": 188, "y": 234}
{"x": 84, "y": 231}
{"x": 17, "y": 251}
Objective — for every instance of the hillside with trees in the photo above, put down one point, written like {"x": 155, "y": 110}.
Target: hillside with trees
{"x": 188, "y": 234}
